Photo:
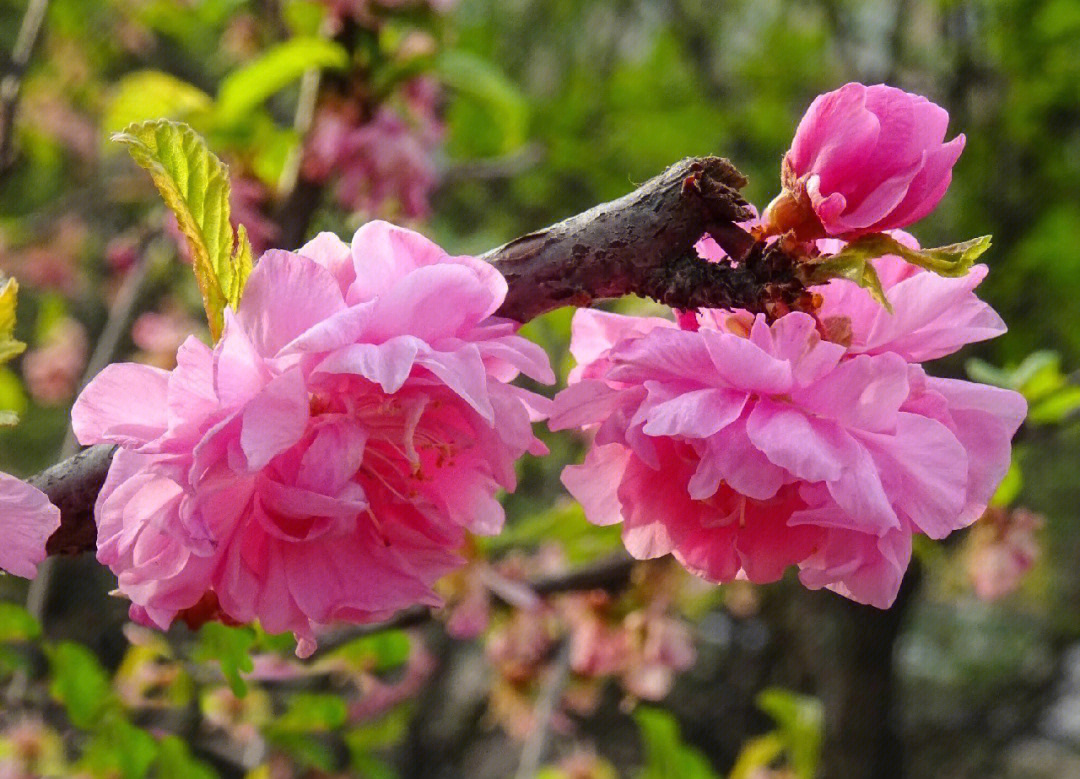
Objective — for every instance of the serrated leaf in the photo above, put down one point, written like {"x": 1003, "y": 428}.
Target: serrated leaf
{"x": 853, "y": 261}
{"x": 247, "y": 87}
{"x": 152, "y": 94}
{"x": 9, "y": 347}
{"x": 195, "y": 186}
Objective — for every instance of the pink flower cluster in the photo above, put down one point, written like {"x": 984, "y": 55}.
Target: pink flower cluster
{"x": 743, "y": 447}
{"x": 383, "y": 163}
{"x": 323, "y": 461}
{"x": 864, "y": 159}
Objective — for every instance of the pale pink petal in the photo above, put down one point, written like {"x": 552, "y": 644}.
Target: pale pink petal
{"x": 28, "y": 519}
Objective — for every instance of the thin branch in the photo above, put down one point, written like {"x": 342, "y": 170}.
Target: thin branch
{"x": 642, "y": 243}
{"x": 611, "y": 574}
{"x": 11, "y": 85}
{"x": 533, "y": 751}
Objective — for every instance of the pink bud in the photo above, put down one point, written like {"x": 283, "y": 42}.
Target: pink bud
{"x": 864, "y": 159}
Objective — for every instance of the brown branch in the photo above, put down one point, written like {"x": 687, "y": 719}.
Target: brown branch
{"x": 616, "y": 248}
{"x": 611, "y": 574}
{"x": 11, "y": 85}
{"x": 639, "y": 244}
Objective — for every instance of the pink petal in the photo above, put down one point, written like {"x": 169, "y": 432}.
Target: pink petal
{"x": 28, "y": 519}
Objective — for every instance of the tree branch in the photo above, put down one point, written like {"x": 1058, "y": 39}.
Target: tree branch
{"x": 642, "y": 243}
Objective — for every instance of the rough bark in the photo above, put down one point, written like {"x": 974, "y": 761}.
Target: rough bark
{"x": 642, "y": 243}
{"x": 625, "y": 246}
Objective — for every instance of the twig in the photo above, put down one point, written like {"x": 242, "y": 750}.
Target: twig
{"x": 640, "y": 244}
{"x": 611, "y": 574}
{"x": 37, "y": 594}
{"x": 11, "y": 85}
{"x": 533, "y": 751}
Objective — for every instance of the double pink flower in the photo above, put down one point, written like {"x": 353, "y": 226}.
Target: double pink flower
{"x": 323, "y": 461}
{"x": 743, "y": 448}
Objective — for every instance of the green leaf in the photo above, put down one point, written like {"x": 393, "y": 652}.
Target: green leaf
{"x": 245, "y": 88}
{"x": 480, "y": 82}
{"x": 312, "y": 712}
{"x": 175, "y": 761}
{"x": 1057, "y": 407}
{"x": 854, "y": 268}
{"x": 152, "y": 94}
{"x": 1009, "y": 489}
{"x": 80, "y": 683}
{"x": 12, "y": 397}
{"x": 308, "y": 751}
{"x": 229, "y": 646}
{"x": 801, "y": 721}
{"x": 378, "y": 652}
{"x": 853, "y": 261}
{"x": 666, "y": 755}
{"x": 195, "y": 186}
{"x": 17, "y": 624}
{"x": 757, "y": 754}
{"x": 9, "y": 347}
{"x": 118, "y": 748}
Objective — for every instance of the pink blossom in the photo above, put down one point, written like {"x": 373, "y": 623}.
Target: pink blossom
{"x": 1003, "y": 547}
{"x": 385, "y": 163}
{"x": 52, "y": 371}
{"x": 864, "y": 159}
{"x": 28, "y": 519}
{"x": 743, "y": 448}
{"x": 324, "y": 460}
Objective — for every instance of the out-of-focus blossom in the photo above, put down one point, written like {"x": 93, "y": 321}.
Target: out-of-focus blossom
{"x": 583, "y": 764}
{"x": 377, "y": 697}
{"x": 241, "y": 718}
{"x": 355, "y": 416}
{"x": 864, "y": 159}
{"x": 159, "y": 335}
{"x": 1002, "y": 547}
{"x": 55, "y": 263}
{"x": 52, "y": 370}
{"x": 743, "y": 448}
{"x": 30, "y": 749}
{"x": 384, "y": 164}
{"x": 27, "y": 519}
{"x": 248, "y": 203}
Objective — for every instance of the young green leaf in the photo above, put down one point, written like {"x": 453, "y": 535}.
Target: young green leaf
{"x": 855, "y": 268}
{"x": 195, "y": 186}
{"x": 853, "y": 261}
{"x": 9, "y": 347}
{"x": 152, "y": 94}
{"x": 247, "y": 87}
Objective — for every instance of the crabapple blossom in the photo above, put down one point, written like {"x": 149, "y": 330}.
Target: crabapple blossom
{"x": 743, "y": 447}
{"x": 324, "y": 460}
{"x": 863, "y": 160}
{"x": 28, "y": 521}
